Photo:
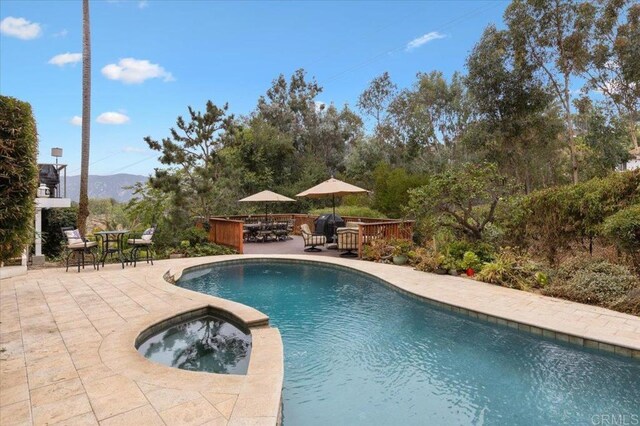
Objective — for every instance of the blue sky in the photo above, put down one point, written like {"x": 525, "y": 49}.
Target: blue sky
{"x": 153, "y": 58}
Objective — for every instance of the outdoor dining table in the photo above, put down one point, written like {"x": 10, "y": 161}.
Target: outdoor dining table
{"x": 112, "y": 242}
{"x": 252, "y": 230}
{"x": 262, "y": 231}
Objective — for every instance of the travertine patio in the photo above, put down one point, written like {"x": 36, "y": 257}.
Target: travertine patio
{"x": 67, "y": 353}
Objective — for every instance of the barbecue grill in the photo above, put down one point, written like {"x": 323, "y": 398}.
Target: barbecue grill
{"x": 327, "y": 224}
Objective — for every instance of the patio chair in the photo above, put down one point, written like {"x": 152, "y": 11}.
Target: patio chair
{"x": 280, "y": 231}
{"x": 291, "y": 223}
{"x": 265, "y": 232}
{"x": 348, "y": 241}
{"x": 78, "y": 246}
{"x": 145, "y": 242}
{"x": 311, "y": 240}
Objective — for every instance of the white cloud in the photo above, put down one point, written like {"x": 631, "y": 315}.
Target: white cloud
{"x": 142, "y": 4}
{"x": 65, "y": 58}
{"x": 20, "y": 28}
{"x": 76, "y": 120}
{"x": 422, "y": 40}
{"x": 62, "y": 33}
{"x": 112, "y": 118}
{"x": 135, "y": 71}
{"x": 132, "y": 149}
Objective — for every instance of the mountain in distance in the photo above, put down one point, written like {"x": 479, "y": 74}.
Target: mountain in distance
{"x": 109, "y": 186}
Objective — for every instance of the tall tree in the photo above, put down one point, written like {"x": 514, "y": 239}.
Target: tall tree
{"x": 376, "y": 98}
{"x": 463, "y": 198}
{"x": 614, "y": 53}
{"x": 319, "y": 132}
{"x": 429, "y": 119}
{"x": 335, "y": 131}
{"x": 291, "y": 107}
{"x": 516, "y": 125}
{"x": 552, "y": 34}
{"x": 603, "y": 138}
{"x": 192, "y": 156}
{"x": 83, "y": 207}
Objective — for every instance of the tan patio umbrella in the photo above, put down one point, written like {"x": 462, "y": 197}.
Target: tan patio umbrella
{"x": 266, "y": 197}
{"x": 332, "y": 187}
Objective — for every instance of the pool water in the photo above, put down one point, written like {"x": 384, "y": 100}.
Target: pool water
{"x": 358, "y": 352}
{"x": 203, "y": 344}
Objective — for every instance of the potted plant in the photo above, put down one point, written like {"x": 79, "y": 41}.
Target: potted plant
{"x": 470, "y": 263}
{"x": 401, "y": 249}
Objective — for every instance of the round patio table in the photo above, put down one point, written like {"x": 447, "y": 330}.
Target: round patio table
{"x": 113, "y": 243}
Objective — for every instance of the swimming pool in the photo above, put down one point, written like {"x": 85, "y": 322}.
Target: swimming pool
{"x": 359, "y": 352}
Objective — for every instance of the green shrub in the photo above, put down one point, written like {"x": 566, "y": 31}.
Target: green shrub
{"x": 630, "y": 303}
{"x": 623, "y": 228}
{"x": 457, "y": 249}
{"x": 18, "y": 176}
{"x": 52, "y": 220}
{"x": 425, "y": 259}
{"x": 198, "y": 250}
{"x": 401, "y": 247}
{"x": 513, "y": 270}
{"x": 470, "y": 260}
{"x": 207, "y": 249}
{"x": 195, "y": 236}
{"x": 356, "y": 211}
{"x": 390, "y": 191}
{"x": 593, "y": 281}
{"x": 377, "y": 250}
{"x": 553, "y": 218}
{"x": 496, "y": 272}
{"x": 463, "y": 198}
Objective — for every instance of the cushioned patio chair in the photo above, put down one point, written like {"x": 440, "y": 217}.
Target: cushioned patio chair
{"x": 145, "y": 242}
{"x": 78, "y": 246}
{"x": 311, "y": 240}
{"x": 348, "y": 241}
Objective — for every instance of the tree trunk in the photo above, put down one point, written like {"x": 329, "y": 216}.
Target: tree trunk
{"x": 83, "y": 208}
{"x": 633, "y": 131}
{"x": 569, "y": 122}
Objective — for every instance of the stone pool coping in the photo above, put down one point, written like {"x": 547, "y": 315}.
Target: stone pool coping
{"x": 583, "y": 325}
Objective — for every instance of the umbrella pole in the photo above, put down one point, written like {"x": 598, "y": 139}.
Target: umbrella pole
{"x": 335, "y": 237}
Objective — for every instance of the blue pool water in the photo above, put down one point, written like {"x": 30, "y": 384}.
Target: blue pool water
{"x": 358, "y": 352}
{"x": 202, "y": 344}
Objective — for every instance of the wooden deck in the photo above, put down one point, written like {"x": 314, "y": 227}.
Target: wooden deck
{"x": 292, "y": 246}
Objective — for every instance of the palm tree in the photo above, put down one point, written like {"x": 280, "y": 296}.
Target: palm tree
{"x": 83, "y": 208}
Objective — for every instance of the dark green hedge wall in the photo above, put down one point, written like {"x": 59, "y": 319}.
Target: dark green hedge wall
{"x": 18, "y": 176}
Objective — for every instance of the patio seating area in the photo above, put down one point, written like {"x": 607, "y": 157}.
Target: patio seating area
{"x": 121, "y": 244}
{"x": 243, "y": 232}
{"x": 261, "y": 231}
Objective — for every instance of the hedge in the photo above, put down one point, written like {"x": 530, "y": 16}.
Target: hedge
{"x": 623, "y": 229}
{"x": 554, "y": 218}
{"x": 18, "y": 176}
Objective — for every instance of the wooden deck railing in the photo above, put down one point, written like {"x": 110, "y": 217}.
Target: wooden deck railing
{"x": 368, "y": 232}
{"x": 227, "y": 233}
{"x": 227, "y": 230}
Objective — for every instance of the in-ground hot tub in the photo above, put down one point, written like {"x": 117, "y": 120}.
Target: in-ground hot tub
{"x": 198, "y": 341}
